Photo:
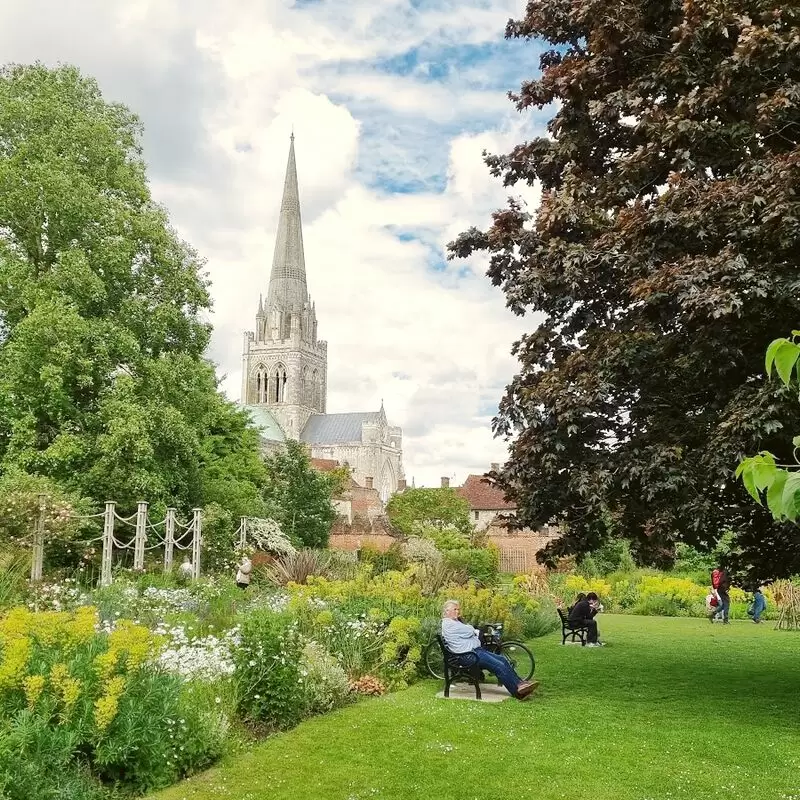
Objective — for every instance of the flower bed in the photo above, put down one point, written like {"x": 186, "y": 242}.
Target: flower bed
{"x": 135, "y": 685}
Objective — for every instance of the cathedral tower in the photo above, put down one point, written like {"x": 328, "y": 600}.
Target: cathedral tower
{"x": 284, "y": 365}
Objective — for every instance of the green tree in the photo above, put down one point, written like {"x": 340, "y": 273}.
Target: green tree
{"x": 298, "y": 497}
{"x": 417, "y": 509}
{"x": 103, "y": 384}
{"x": 662, "y": 259}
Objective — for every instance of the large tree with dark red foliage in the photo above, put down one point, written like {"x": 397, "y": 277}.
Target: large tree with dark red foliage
{"x": 664, "y": 257}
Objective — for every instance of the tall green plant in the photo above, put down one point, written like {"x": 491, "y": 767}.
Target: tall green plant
{"x": 14, "y": 565}
{"x": 764, "y": 477}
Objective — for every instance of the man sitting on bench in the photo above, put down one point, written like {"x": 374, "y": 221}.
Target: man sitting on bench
{"x": 583, "y": 613}
{"x": 462, "y": 639}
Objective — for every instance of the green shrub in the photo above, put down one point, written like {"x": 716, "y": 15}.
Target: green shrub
{"x": 481, "y": 564}
{"x": 325, "y": 682}
{"x": 268, "y": 670}
{"x": 613, "y": 556}
{"x": 690, "y": 560}
{"x": 659, "y": 605}
{"x": 538, "y": 621}
{"x": 36, "y": 761}
{"x": 392, "y": 560}
{"x": 446, "y": 538}
{"x": 297, "y": 567}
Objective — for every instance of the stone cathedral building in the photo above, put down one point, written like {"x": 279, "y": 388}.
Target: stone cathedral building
{"x": 285, "y": 370}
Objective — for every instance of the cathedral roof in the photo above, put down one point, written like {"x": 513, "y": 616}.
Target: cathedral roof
{"x": 265, "y": 423}
{"x": 329, "y": 428}
{"x": 287, "y": 282}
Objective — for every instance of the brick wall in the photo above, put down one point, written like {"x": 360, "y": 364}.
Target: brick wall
{"x": 518, "y": 549}
{"x": 354, "y": 541}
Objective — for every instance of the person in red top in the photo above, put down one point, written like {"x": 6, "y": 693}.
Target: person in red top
{"x": 721, "y": 583}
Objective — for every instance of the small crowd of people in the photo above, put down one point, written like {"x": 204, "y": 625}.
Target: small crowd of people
{"x": 464, "y": 641}
{"x": 718, "y": 600}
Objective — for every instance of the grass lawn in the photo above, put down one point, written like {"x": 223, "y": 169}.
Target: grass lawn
{"x": 671, "y": 708}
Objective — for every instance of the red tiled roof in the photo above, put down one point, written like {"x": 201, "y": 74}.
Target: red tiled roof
{"x": 324, "y": 464}
{"x": 483, "y": 496}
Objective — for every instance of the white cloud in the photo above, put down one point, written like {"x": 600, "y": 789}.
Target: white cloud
{"x": 431, "y": 340}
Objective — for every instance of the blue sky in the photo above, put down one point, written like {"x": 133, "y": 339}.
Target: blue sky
{"x": 392, "y": 103}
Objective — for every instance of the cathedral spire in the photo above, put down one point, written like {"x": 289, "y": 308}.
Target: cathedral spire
{"x": 287, "y": 283}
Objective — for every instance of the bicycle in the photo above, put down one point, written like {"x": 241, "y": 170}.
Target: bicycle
{"x": 491, "y": 637}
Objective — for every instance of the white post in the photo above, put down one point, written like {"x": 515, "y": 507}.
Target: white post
{"x": 141, "y": 535}
{"x": 108, "y": 544}
{"x": 243, "y": 536}
{"x": 169, "y": 539}
{"x": 38, "y": 543}
{"x": 197, "y": 540}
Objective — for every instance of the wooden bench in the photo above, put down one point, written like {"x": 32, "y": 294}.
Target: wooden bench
{"x": 574, "y": 630}
{"x": 455, "y": 671}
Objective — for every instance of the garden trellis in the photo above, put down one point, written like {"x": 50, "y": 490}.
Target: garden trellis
{"x": 169, "y": 533}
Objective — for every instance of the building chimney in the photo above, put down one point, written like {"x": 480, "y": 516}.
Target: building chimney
{"x": 445, "y": 483}
{"x": 368, "y": 482}
{"x": 401, "y": 485}
{"x": 495, "y": 467}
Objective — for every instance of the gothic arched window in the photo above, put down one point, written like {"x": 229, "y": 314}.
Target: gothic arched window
{"x": 306, "y": 396}
{"x": 314, "y": 392}
{"x": 260, "y": 384}
{"x": 278, "y": 387}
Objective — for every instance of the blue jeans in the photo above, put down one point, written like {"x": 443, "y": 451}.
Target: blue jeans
{"x": 724, "y": 605}
{"x": 497, "y": 665}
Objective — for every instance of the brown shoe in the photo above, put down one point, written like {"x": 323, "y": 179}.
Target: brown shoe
{"x": 525, "y": 688}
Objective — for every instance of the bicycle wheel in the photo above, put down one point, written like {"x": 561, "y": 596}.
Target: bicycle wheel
{"x": 434, "y": 659}
{"x": 520, "y": 657}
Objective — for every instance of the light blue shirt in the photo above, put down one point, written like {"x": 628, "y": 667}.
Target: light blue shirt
{"x": 458, "y": 637}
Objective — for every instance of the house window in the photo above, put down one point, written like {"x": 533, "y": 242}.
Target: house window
{"x": 477, "y": 514}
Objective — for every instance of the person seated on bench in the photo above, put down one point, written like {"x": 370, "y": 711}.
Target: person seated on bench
{"x": 583, "y": 613}
{"x": 462, "y": 639}
{"x": 581, "y": 596}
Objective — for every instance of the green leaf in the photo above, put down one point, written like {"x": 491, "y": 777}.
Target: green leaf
{"x": 764, "y": 474}
{"x": 789, "y": 498}
{"x": 775, "y": 494}
{"x": 785, "y": 359}
{"x": 771, "y": 351}
{"x": 749, "y": 482}
{"x": 796, "y": 441}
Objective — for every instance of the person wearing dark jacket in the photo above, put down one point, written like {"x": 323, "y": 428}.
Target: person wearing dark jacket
{"x": 583, "y": 613}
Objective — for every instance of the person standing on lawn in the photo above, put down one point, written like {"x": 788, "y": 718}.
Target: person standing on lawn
{"x": 584, "y": 613}
{"x": 463, "y": 640}
{"x": 721, "y": 583}
{"x": 758, "y": 606}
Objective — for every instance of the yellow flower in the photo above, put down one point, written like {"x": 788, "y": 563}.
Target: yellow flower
{"x": 106, "y": 706}
{"x": 33, "y": 686}
{"x": 324, "y": 618}
{"x": 105, "y": 663}
{"x": 67, "y": 687}
{"x": 70, "y": 692}
{"x": 14, "y": 661}
{"x": 133, "y": 641}
{"x": 15, "y": 624}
